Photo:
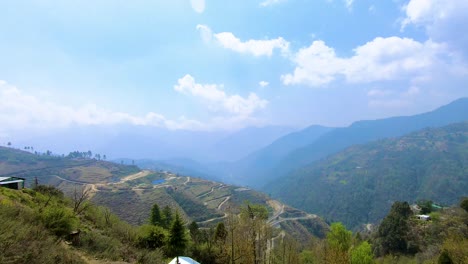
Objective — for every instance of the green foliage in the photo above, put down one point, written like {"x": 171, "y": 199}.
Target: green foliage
{"x": 362, "y": 254}
{"x": 425, "y": 205}
{"x": 167, "y": 217}
{"x": 177, "y": 241}
{"x": 33, "y": 223}
{"x": 444, "y": 258}
{"x": 393, "y": 231}
{"x": 424, "y": 164}
{"x": 194, "y": 231}
{"x": 254, "y": 211}
{"x": 59, "y": 220}
{"x": 339, "y": 238}
{"x": 220, "y": 233}
{"x": 155, "y": 217}
{"x": 48, "y": 190}
{"x": 24, "y": 239}
{"x": 464, "y": 203}
{"x": 151, "y": 237}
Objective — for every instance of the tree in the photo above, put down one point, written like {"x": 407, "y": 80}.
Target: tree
{"x": 339, "y": 237}
{"x": 194, "y": 231}
{"x": 151, "y": 237}
{"x": 220, "y": 233}
{"x": 425, "y": 205}
{"x": 155, "y": 217}
{"x": 393, "y": 231}
{"x": 177, "y": 241}
{"x": 362, "y": 254}
{"x": 339, "y": 241}
{"x": 80, "y": 200}
{"x": 166, "y": 217}
{"x": 9, "y": 144}
{"x": 464, "y": 203}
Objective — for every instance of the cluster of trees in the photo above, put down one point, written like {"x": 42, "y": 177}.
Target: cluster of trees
{"x": 85, "y": 155}
{"x": 248, "y": 238}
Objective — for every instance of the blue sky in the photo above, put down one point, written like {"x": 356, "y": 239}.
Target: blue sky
{"x": 224, "y": 65}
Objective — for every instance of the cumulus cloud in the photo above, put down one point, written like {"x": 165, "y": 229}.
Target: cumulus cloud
{"x": 21, "y": 111}
{"x": 254, "y": 47}
{"x": 198, "y": 5}
{"x": 263, "y": 83}
{"x": 381, "y": 59}
{"x": 214, "y": 95}
{"x": 442, "y": 19}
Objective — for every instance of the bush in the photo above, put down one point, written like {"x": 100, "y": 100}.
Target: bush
{"x": 58, "y": 220}
{"x": 151, "y": 237}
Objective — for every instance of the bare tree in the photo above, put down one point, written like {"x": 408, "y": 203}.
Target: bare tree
{"x": 80, "y": 199}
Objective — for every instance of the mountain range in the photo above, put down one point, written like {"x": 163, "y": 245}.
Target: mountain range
{"x": 359, "y": 184}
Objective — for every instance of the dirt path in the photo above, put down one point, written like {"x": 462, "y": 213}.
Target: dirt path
{"x": 278, "y": 207}
{"x": 92, "y": 188}
{"x": 187, "y": 181}
{"x": 135, "y": 176}
{"x": 223, "y": 202}
{"x": 213, "y": 219}
{"x": 280, "y": 219}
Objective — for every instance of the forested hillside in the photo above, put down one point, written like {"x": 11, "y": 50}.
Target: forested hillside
{"x": 366, "y": 131}
{"x": 358, "y": 185}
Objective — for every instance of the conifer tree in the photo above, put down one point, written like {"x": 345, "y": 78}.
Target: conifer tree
{"x": 177, "y": 239}
{"x": 155, "y": 218}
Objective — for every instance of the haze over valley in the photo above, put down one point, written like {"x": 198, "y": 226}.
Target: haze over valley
{"x": 269, "y": 131}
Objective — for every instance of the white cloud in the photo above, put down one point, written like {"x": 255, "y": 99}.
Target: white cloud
{"x": 349, "y": 3}
{"x": 198, "y": 5}
{"x": 381, "y": 59}
{"x": 442, "y": 19}
{"x": 270, "y": 2}
{"x": 263, "y": 83}
{"x": 214, "y": 95}
{"x": 254, "y": 47}
{"x": 20, "y": 111}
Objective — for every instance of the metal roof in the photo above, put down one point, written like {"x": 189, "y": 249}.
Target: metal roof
{"x": 4, "y": 178}
{"x": 8, "y": 182}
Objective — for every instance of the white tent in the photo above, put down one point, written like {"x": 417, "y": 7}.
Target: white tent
{"x": 184, "y": 260}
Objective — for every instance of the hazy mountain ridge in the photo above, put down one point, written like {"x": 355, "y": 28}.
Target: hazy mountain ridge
{"x": 258, "y": 164}
{"x": 359, "y": 184}
{"x": 366, "y": 131}
{"x": 140, "y": 142}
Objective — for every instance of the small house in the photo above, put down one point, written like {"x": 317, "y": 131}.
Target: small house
{"x": 423, "y": 217}
{"x": 12, "y": 182}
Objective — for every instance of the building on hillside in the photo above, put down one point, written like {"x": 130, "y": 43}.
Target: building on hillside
{"x": 184, "y": 260}
{"x": 15, "y": 183}
{"x": 423, "y": 217}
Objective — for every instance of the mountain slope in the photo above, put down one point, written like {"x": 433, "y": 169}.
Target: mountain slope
{"x": 359, "y": 184}
{"x": 366, "y": 131}
{"x": 130, "y": 193}
{"x": 261, "y": 161}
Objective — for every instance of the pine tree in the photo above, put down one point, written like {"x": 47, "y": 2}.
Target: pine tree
{"x": 177, "y": 240}
{"x": 155, "y": 218}
{"x": 166, "y": 216}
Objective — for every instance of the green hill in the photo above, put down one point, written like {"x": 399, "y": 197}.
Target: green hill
{"x": 359, "y": 184}
{"x": 130, "y": 192}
